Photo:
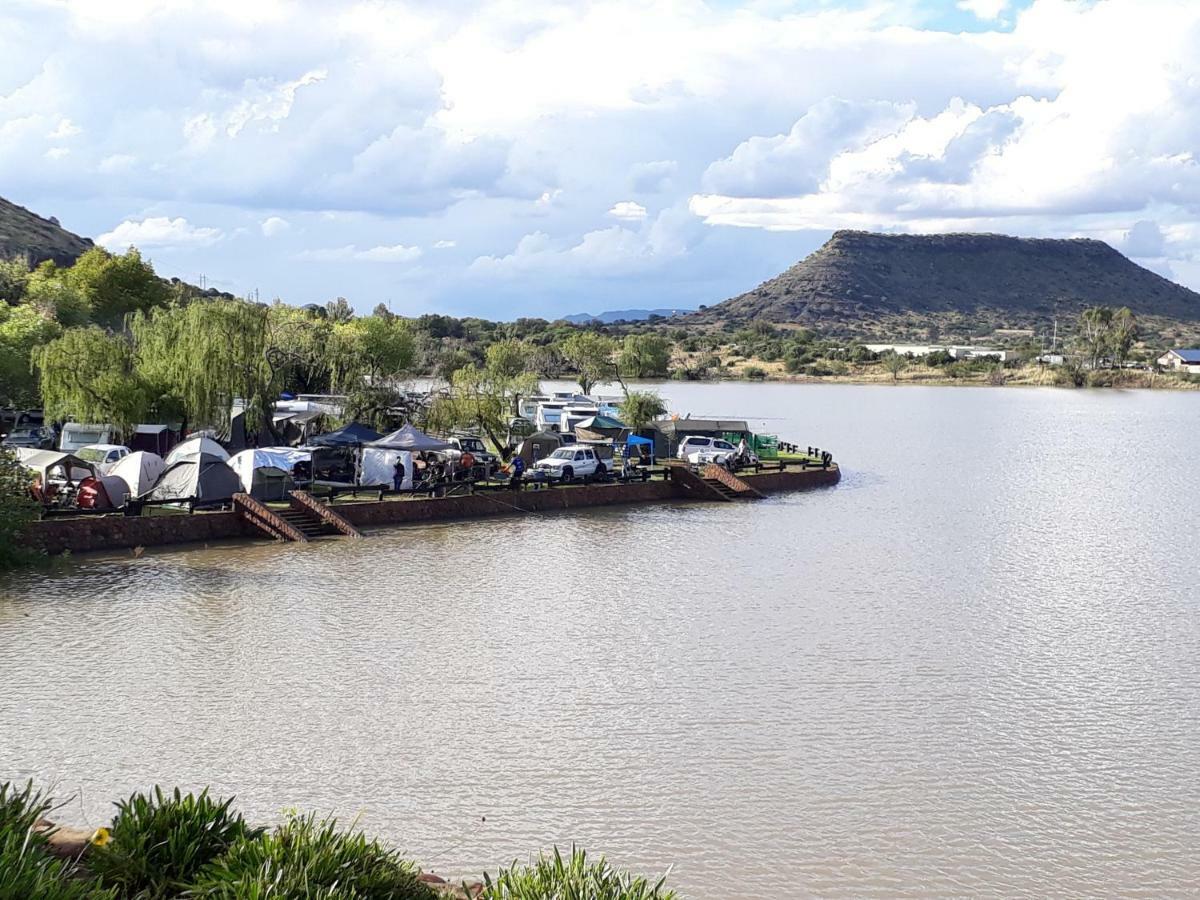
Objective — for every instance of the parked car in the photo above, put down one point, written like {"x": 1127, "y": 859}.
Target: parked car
{"x": 31, "y": 438}
{"x": 699, "y": 451}
{"x": 485, "y": 462}
{"x": 103, "y": 456}
{"x": 568, "y": 463}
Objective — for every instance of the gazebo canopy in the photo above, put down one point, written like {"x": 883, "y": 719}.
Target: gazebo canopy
{"x": 409, "y": 438}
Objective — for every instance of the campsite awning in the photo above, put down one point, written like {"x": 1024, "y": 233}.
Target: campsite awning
{"x": 352, "y": 435}
{"x": 411, "y": 439}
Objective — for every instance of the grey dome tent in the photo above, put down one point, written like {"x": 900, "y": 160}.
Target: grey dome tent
{"x": 204, "y": 479}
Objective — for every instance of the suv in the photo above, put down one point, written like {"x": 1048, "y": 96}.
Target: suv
{"x": 37, "y": 438}
{"x": 103, "y": 456}
{"x": 469, "y": 443}
{"x": 701, "y": 450}
{"x": 568, "y": 463}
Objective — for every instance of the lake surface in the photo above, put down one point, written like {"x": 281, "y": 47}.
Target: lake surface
{"x": 972, "y": 668}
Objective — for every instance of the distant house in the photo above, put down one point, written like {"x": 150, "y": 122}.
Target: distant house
{"x": 1185, "y": 360}
{"x": 956, "y": 352}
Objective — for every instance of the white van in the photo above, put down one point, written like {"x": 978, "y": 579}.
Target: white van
{"x": 76, "y": 436}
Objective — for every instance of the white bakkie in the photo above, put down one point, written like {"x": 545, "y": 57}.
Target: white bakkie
{"x": 569, "y": 463}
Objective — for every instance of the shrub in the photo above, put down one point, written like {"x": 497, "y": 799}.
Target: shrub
{"x": 17, "y": 511}
{"x": 307, "y": 858}
{"x": 554, "y": 878}
{"x": 754, "y": 372}
{"x": 159, "y": 843}
{"x": 26, "y": 867}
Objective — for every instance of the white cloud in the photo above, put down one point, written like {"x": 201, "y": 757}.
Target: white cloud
{"x": 57, "y": 152}
{"x": 63, "y": 130}
{"x": 158, "y": 231}
{"x": 653, "y": 177}
{"x": 118, "y": 162}
{"x": 984, "y": 9}
{"x": 444, "y": 245}
{"x": 274, "y": 225}
{"x": 397, "y": 253}
{"x": 628, "y": 211}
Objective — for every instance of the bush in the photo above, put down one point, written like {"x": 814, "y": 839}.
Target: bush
{"x": 17, "y": 511}
{"x": 307, "y": 858}
{"x": 554, "y": 878}
{"x": 754, "y": 372}
{"x": 26, "y": 867}
{"x": 159, "y": 843}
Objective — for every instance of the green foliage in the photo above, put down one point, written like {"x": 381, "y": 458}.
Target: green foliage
{"x": 589, "y": 354}
{"x": 88, "y": 374}
{"x": 483, "y": 399}
{"x": 644, "y": 356}
{"x": 160, "y": 842}
{"x": 640, "y": 408}
{"x": 17, "y": 511}
{"x": 756, "y": 372}
{"x": 312, "y": 859}
{"x": 14, "y": 278}
{"x": 371, "y": 348}
{"x": 27, "y": 870}
{"x": 23, "y": 330}
{"x": 49, "y": 291}
{"x": 894, "y": 364}
{"x": 551, "y": 877}
{"x": 115, "y": 285}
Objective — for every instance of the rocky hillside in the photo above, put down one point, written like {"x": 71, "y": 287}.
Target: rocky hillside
{"x": 27, "y": 234}
{"x": 860, "y": 283}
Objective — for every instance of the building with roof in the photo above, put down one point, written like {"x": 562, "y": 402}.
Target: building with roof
{"x": 1183, "y": 360}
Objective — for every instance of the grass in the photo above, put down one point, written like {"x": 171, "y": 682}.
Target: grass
{"x": 160, "y": 842}
{"x": 554, "y": 877}
{"x": 308, "y": 858}
{"x": 27, "y": 869}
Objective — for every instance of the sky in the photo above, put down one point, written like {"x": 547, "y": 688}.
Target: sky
{"x": 534, "y": 158}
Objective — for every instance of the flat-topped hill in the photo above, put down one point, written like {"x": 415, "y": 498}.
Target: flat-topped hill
{"x": 859, "y": 280}
{"x": 27, "y": 234}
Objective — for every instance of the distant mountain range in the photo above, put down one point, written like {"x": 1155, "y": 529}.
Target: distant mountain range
{"x": 27, "y": 234}
{"x": 623, "y": 315}
{"x": 859, "y": 283}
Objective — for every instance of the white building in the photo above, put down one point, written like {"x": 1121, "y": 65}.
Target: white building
{"x": 956, "y": 352}
{"x": 1183, "y": 360}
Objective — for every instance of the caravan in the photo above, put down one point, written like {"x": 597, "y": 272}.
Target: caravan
{"x": 76, "y": 436}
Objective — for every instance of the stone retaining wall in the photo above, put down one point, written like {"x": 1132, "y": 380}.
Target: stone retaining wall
{"x": 118, "y": 532}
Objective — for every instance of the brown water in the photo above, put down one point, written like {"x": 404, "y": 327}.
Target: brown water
{"x": 972, "y": 668}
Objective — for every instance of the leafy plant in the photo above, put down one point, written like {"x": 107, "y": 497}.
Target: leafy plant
{"x": 551, "y": 877}
{"x": 26, "y": 867}
{"x": 17, "y": 510}
{"x": 160, "y": 842}
{"x": 308, "y": 858}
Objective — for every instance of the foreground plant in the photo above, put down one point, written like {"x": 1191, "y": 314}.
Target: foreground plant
{"x": 158, "y": 843}
{"x": 27, "y": 870}
{"x": 313, "y": 859}
{"x": 552, "y": 877}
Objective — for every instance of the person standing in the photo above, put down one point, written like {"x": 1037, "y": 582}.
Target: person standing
{"x": 517, "y": 469}
{"x": 398, "y": 476}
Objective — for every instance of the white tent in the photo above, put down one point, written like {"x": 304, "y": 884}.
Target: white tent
{"x": 54, "y": 465}
{"x": 283, "y": 458}
{"x": 192, "y": 448}
{"x": 379, "y": 466}
{"x": 139, "y": 471}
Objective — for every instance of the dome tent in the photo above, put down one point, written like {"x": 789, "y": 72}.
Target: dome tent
{"x": 205, "y": 479}
{"x": 139, "y": 471}
{"x": 193, "y": 448}
{"x": 266, "y": 473}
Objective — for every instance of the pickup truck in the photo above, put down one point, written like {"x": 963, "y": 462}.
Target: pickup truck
{"x": 485, "y": 463}
{"x": 568, "y": 463}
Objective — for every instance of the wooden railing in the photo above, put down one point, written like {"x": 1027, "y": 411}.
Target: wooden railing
{"x": 307, "y": 502}
{"x": 250, "y": 510}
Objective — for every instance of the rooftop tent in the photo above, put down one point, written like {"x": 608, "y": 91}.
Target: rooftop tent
{"x": 205, "y": 479}
{"x": 410, "y": 439}
{"x": 139, "y": 471}
{"x": 538, "y": 446}
{"x": 56, "y": 464}
{"x": 350, "y": 436}
{"x": 379, "y": 466}
{"x": 266, "y": 473}
{"x": 194, "y": 448}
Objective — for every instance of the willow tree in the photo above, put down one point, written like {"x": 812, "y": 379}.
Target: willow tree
{"x": 211, "y": 353}
{"x": 590, "y": 355}
{"x": 90, "y": 375}
{"x": 23, "y": 329}
{"x": 640, "y": 408}
{"x": 484, "y": 398}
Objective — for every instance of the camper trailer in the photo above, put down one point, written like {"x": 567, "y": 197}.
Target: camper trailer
{"x": 76, "y": 436}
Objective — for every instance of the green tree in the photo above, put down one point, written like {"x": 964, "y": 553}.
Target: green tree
{"x": 1092, "y": 333}
{"x": 298, "y": 348}
{"x": 339, "y": 310}
{"x": 49, "y": 290}
{"x": 23, "y": 329}
{"x": 640, "y": 408}
{"x": 115, "y": 285}
{"x": 371, "y": 349}
{"x": 590, "y": 355}
{"x": 17, "y": 511}
{"x": 89, "y": 374}
{"x": 484, "y": 399}
{"x": 14, "y": 278}
{"x": 644, "y": 356}
{"x": 1122, "y": 332}
{"x": 894, "y": 364}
